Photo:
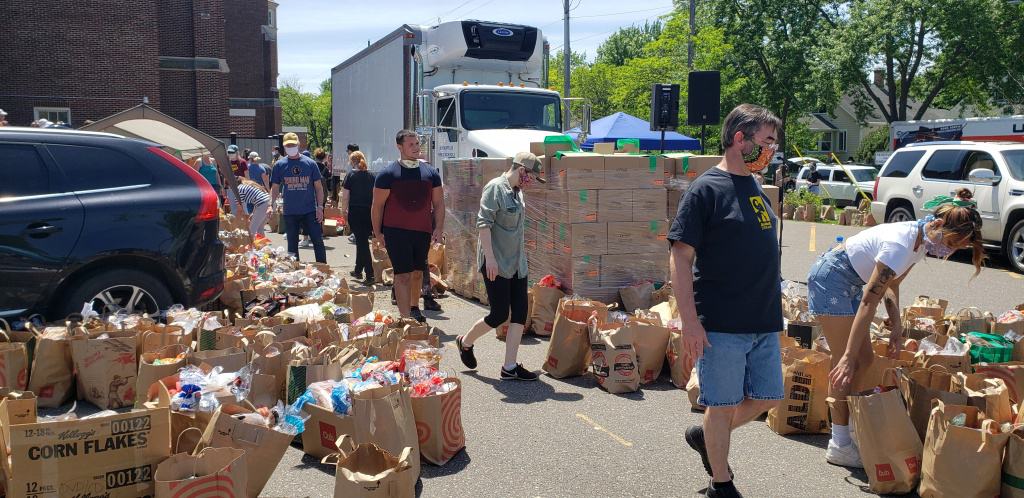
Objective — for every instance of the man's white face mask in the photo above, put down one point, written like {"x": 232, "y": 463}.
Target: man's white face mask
{"x": 291, "y": 151}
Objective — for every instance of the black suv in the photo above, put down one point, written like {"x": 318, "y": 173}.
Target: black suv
{"x": 95, "y": 217}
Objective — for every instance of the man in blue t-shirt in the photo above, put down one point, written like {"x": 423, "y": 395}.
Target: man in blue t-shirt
{"x": 258, "y": 172}
{"x": 731, "y": 306}
{"x": 298, "y": 180}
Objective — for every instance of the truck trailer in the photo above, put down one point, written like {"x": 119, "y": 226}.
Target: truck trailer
{"x": 468, "y": 88}
{"x": 996, "y": 129}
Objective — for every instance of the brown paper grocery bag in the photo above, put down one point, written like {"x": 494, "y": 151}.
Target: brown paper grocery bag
{"x": 1013, "y": 466}
{"x": 1011, "y": 372}
{"x": 637, "y": 297}
{"x": 612, "y": 357}
{"x": 961, "y": 460}
{"x": 52, "y": 378}
{"x": 152, "y": 337}
{"x": 989, "y": 395}
{"x": 889, "y": 446}
{"x": 545, "y": 306}
{"x": 384, "y": 416}
{"x": 804, "y": 409}
{"x": 369, "y": 471}
{"x": 361, "y": 303}
{"x": 264, "y": 447}
{"x": 230, "y": 359}
{"x": 13, "y": 363}
{"x": 693, "y": 391}
{"x": 650, "y": 340}
{"x": 150, "y": 373}
{"x": 439, "y": 424}
{"x": 105, "y": 370}
{"x": 217, "y": 472}
{"x": 323, "y": 428}
{"x": 325, "y": 365}
{"x": 680, "y": 364}
{"x": 920, "y": 387}
{"x": 568, "y": 348}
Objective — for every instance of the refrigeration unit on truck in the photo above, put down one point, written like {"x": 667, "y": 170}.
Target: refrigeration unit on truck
{"x": 469, "y": 88}
{"x": 998, "y": 129}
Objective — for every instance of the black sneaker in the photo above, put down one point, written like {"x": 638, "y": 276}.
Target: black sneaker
{"x": 356, "y": 275}
{"x": 369, "y": 282}
{"x": 695, "y": 438}
{"x": 394, "y": 302}
{"x": 722, "y": 490}
{"x": 417, "y": 314}
{"x": 466, "y": 354}
{"x": 431, "y": 304}
{"x": 518, "y": 373}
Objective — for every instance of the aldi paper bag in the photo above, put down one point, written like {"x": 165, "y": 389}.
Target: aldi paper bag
{"x": 219, "y": 472}
{"x": 920, "y": 387}
{"x": 805, "y": 408}
{"x": 264, "y": 447}
{"x": 439, "y": 424}
{"x": 889, "y": 446}
{"x": 962, "y": 460}
{"x": 52, "y": 378}
{"x": 106, "y": 370}
{"x": 114, "y": 455}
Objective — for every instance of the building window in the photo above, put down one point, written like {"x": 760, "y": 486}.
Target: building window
{"x": 270, "y": 17}
{"x": 841, "y": 146}
{"x": 52, "y": 114}
{"x": 825, "y": 142}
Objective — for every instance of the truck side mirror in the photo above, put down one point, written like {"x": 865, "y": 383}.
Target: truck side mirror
{"x": 585, "y": 125}
{"x": 983, "y": 176}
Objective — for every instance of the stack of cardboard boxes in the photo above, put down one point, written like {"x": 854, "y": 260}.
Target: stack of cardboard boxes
{"x": 599, "y": 224}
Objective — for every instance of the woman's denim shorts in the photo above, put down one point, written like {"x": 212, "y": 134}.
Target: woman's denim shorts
{"x": 833, "y": 287}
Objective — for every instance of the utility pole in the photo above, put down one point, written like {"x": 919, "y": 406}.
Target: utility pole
{"x": 567, "y": 66}
{"x": 693, "y": 32}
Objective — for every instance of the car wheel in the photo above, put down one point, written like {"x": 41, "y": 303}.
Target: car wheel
{"x": 1014, "y": 247}
{"x": 114, "y": 290}
{"x": 900, "y": 213}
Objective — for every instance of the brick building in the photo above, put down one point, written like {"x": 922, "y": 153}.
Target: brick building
{"x": 209, "y": 63}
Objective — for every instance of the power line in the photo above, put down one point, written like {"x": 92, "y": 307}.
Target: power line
{"x": 626, "y": 12}
{"x": 605, "y": 33}
{"x": 477, "y": 8}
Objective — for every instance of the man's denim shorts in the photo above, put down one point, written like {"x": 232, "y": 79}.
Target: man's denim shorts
{"x": 833, "y": 287}
{"x": 739, "y": 366}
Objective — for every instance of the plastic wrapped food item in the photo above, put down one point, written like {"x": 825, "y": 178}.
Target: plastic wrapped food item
{"x": 959, "y": 420}
{"x": 293, "y": 420}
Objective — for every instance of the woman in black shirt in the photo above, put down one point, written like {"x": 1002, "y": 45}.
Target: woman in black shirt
{"x": 356, "y": 209}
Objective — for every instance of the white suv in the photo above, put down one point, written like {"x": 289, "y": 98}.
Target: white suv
{"x": 836, "y": 184}
{"x": 994, "y": 171}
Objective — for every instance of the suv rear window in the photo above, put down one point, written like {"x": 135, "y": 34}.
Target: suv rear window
{"x": 22, "y": 172}
{"x": 93, "y": 168}
{"x": 1015, "y": 160}
{"x": 945, "y": 165}
{"x": 902, "y": 163}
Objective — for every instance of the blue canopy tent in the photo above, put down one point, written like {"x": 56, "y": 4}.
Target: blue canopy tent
{"x": 622, "y": 125}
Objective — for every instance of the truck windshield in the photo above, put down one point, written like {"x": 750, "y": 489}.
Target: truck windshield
{"x": 510, "y": 110}
{"x": 864, "y": 175}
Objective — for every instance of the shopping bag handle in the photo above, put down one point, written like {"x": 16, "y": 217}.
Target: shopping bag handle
{"x": 334, "y": 458}
{"x": 193, "y": 451}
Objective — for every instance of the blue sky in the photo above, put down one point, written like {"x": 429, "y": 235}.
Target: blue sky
{"x": 316, "y": 35}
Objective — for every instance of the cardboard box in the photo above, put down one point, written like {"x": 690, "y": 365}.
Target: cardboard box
{"x": 536, "y": 201}
{"x": 582, "y": 206}
{"x": 606, "y": 295}
{"x": 492, "y": 167}
{"x": 672, "y": 206}
{"x": 604, "y": 147}
{"x": 805, "y": 333}
{"x": 623, "y": 270}
{"x": 112, "y": 456}
{"x": 462, "y": 172}
{"x": 616, "y": 205}
{"x": 629, "y": 148}
{"x": 579, "y": 170}
{"x": 633, "y": 172}
{"x": 549, "y": 149}
{"x": 330, "y": 227}
{"x": 635, "y": 237}
{"x": 585, "y": 271}
{"x": 578, "y": 239}
{"x": 648, "y": 204}
{"x": 774, "y": 194}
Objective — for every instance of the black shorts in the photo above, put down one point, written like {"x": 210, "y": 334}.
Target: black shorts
{"x": 407, "y": 249}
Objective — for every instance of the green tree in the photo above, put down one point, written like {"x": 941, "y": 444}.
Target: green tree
{"x": 311, "y": 110}
{"x": 934, "y": 52}
{"x": 875, "y": 141}
{"x": 627, "y": 43}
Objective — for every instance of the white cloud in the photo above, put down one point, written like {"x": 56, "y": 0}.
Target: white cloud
{"x": 316, "y": 35}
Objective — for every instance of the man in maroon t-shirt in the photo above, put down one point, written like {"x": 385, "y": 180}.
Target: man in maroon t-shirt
{"x": 407, "y": 214}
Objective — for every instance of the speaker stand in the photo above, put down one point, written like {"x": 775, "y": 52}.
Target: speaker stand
{"x": 702, "y": 140}
{"x": 662, "y": 140}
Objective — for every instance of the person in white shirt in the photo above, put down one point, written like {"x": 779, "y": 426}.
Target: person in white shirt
{"x": 846, "y": 284}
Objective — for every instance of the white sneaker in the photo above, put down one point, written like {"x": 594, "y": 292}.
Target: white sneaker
{"x": 844, "y": 456}
{"x": 305, "y": 243}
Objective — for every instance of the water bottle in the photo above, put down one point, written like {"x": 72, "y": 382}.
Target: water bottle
{"x": 839, "y": 242}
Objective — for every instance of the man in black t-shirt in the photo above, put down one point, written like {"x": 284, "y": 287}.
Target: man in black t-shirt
{"x": 726, "y": 280}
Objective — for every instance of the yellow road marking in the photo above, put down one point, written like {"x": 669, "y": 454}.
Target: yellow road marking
{"x": 1014, "y": 274}
{"x": 811, "y": 242}
{"x": 618, "y": 439}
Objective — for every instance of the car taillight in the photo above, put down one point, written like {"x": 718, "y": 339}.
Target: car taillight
{"x": 874, "y": 192}
{"x": 209, "y": 208}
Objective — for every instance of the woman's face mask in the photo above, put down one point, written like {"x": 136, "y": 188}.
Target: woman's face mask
{"x": 524, "y": 178}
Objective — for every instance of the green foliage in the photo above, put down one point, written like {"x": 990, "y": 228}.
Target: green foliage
{"x": 627, "y": 43}
{"x": 802, "y": 197}
{"x": 312, "y": 110}
{"x": 876, "y": 140}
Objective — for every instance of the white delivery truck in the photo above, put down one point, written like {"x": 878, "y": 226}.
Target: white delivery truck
{"x": 997, "y": 129}
{"x": 469, "y": 88}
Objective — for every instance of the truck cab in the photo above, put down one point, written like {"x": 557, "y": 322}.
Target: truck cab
{"x": 473, "y": 120}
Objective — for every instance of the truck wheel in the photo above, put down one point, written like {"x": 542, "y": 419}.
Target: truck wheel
{"x": 900, "y": 213}
{"x": 1014, "y": 247}
{"x": 111, "y": 290}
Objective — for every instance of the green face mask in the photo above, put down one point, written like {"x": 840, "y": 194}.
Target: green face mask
{"x": 409, "y": 163}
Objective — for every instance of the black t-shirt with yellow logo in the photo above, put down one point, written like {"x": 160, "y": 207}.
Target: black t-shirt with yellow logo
{"x": 728, "y": 220}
